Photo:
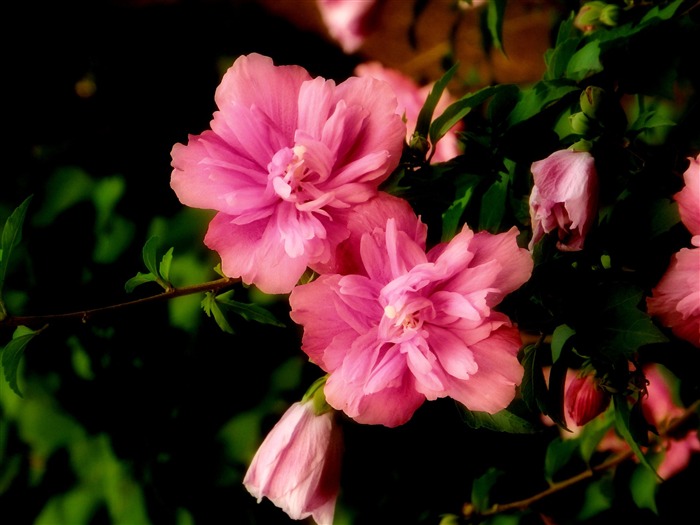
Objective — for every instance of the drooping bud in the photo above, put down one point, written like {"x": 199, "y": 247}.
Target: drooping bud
{"x": 591, "y": 100}
{"x": 585, "y": 398}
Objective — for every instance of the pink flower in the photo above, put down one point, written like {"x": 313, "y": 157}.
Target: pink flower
{"x": 297, "y": 466}
{"x": 286, "y": 157}
{"x": 660, "y": 409}
{"x": 564, "y": 198}
{"x": 410, "y": 325}
{"x": 675, "y": 300}
{"x": 411, "y": 98}
{"x": 349, "y": 22}
{"x": 585, "y": 399}
{"x": 688, "y": 200}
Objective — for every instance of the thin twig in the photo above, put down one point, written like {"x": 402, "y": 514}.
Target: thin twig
{"x": 470, "y": 513}
{"x": 85, "y": 315}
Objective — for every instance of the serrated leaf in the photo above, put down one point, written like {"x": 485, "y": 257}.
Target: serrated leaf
{"x": 11, "y": 237}
{"x": 249, "y": 311}
{"x": 12, "y": 355}
{"x": 585, "y": 62}
{"x": 211, "y": 308}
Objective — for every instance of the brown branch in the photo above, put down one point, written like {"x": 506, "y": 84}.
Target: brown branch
{"x": 469, "y": 512}
{"x": 85, "y": 315}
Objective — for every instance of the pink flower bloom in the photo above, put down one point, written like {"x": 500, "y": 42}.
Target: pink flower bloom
{"x": 286, "y": 157}
{"x": 297, "y": 466}
{"x": 410, "y": 326}
{"x": 564, "y": 198}
{"x": 688, "y": 200}
{"x": 585, "y": 399}
{"x": 349, "y": 22}
{"x": 675, "y": 300}
{"x": 411, "y": 98}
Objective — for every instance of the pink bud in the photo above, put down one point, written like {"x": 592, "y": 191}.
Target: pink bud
{"x": 585, "y": 399}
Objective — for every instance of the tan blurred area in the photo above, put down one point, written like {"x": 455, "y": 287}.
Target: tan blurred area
{"x": 526, "y": 36}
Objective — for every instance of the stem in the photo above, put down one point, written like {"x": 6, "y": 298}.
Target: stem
{"x": 674, "y": 426}
{"x": 85, "y": 315}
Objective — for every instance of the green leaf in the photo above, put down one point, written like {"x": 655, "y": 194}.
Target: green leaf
{"x": 533, "y": 386}
{"x": 593, "y": 432}
{"x": 621, "y": 327}
{"x": 541, "y": 96}
{"x": 211, "y": 308}
{"x": 503, "y": 421}
{"x": 11, "y": 237}
{"x": 425, "y": 116}
{"x": 457, "y": 111}
{"x": 560, "y": 337}
{"x": 585, "y": 62}
{"x": 481, "y": 489}
{"x": 149, "y": 253}
{"x": 622, "y": 424}
{"x": 139, "y": 279}
{"x": 65, "y": 188}
{"x": 598, "y": 497}
{"x": 452, "y": 217}
{"x": 495, "y": 12}
{"x": 248, "y": 311}
{"x": 12, "y": 355}
{"x": 493, "y": 204}
{"x": 165, "y": 263}
{"x": 559, "y": 454}
{"x": 643, "y": 486}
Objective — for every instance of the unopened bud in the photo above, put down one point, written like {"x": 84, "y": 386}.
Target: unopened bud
{"x": 591, "y": 100}
{"x": 588, "y": 17}
{"x": 579, "y": 123}
{"x": 585, "y": 399}
{"x": 419, "y": 143}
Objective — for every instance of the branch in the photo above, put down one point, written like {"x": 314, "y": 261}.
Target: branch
{"x": 85, "y": 315}
{"x": 673, "y": 430}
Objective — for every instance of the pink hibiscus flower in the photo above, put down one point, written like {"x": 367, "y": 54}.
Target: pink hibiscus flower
{"x": 675, "y": 300}
{"x": 411, "y": 98}
{"x": 349, "y": 22}
{"x": 564, "y": 198}
{"x": 410, "y": 325}
{"x": 286, "y": 157}
{"x": 297, "y": 466}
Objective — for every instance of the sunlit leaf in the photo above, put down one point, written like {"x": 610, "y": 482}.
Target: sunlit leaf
{"x": 541, "y": 96}
{"x": 139, "y": 279}
{"x": 561, "y": 335}
{"x": 495, "y": 11}
{"x": 457, "y": 111}
{"x": 585, "y": 62}
{"x": 150, "y": 254}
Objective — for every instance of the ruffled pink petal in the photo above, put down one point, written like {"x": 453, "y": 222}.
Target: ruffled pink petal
{"x": 688, "y": 198}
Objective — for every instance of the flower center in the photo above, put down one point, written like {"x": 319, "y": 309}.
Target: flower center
{"x": 287, "y": 171}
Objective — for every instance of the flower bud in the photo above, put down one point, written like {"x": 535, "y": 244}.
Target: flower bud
{"x": 588, "y": 17}
{"x": 580, "y": 123}
{"x": 591, "y": 101}
{"x": 585, "y": 399}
